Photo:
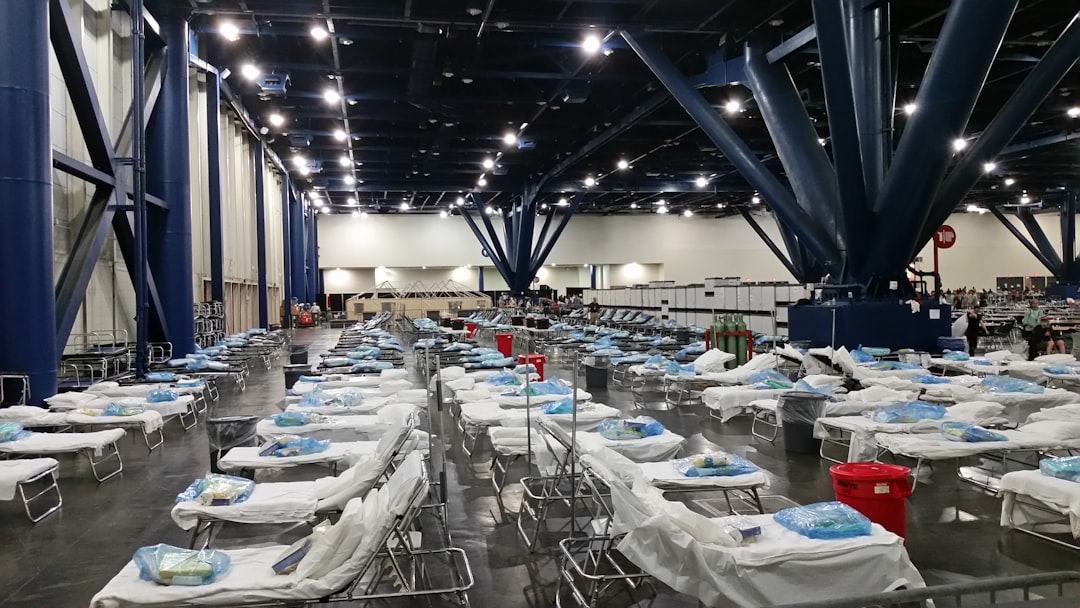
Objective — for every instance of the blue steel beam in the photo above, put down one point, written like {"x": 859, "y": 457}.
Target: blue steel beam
{"x": 969, "y": 40}
{"x": 738, "y": 153}
{"x": 764, "y": 236}
{"x": 554, "y": 237}
{"x": 543, "y": 235}
{"x": 869, "y": 61}
{"x": 1068, "y": 237}
{"x": 168, "y": 177}
{"x": 297, "y": 247}
{"x": 259, "y": 161}
{"x": 796, "y": 254}
{"x": 793, "y": 44}
{"x": 81, "y": 170}
{"x": 27, "y": 320}
{"x": 123, "y": 229}
{"x": 313, "y": 255}
{"x": 1042, "y": 142}
{"x": 845, "y": 132}
{"x": 286, "y": 249}
{"x": 1016, "y": 112}
{"x": 498, "y": 252}
{"x": 213, "y": 182}
{"x": 138, "y": 189}
{"x": 1054, "y": 269}
{"x": 500, "y": 266}
{"x": 1039, "y": 238}
{"x": 807, "y": 165}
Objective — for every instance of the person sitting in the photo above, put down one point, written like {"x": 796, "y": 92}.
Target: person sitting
{"x": 1044, "y": 340}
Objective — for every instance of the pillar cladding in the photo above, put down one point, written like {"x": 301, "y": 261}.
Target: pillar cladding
{"x": 313, "y": 259}
{"x": 168, "y": 175}
{"x": 286, "y": 248}
{"x": 297, "y": 249}
{"x": 27, "y": 308}
{"x": 258, "y": 160}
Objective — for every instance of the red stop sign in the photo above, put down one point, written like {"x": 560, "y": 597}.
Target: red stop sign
{"x": 945, "y": 237}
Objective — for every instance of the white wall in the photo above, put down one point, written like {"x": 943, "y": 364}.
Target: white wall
{"x": 666, "y": 247}
{"x": 352, "y": 280}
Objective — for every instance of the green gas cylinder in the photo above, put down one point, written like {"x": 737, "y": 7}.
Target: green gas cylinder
{"x": 727, "y": 326}
{"x": 740, "y": 341}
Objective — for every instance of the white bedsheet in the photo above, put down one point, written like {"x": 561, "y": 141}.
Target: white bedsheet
{"x": 182, "y": 405}
{"x": 663, "y": 475}
{"x": 248, "y": 457}
{"x": 111, "y": 389}
{"x": 343, "y": 381}
{"x": 646, "y": 449}
{"x": 734, "y": 400}
{"x": 28, "y": 415}
{"x": 937, "y": 447}
{"x": 269, "y": 503}
{"x": 672, "y": 544}
{"x": 149, "y": 420}
{"x": 335, "y": 428}
{"x": 1070, "y": 411}
{"x": 14, "y": 471}
{"x": 490, "y": 413}
{"x": 1057, "y": 494}
{"x": 59, "y": 443}
{"x": 370, "y": 405}
{"x": 537, "y": 400}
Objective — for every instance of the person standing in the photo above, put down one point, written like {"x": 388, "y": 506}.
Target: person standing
{"x": 594, "y": 312}
{"x": 974, "y": 328}
{"x": 1032, "y": 316}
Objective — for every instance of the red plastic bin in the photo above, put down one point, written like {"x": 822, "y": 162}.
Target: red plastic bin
{"x": 505, "y": 344}
{"x": 537, "y": 361}
{"x": 470, "y": 330}
{"x": 878, "y": 491}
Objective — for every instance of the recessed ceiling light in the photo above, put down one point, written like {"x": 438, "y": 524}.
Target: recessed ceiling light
{"x": 755, "y": 200}
{"x": 510, "y": 139}
{"x": 299, "y": 161}
{"x": 989, "y": 167}
{"x": 404, "y": 206}
{"x": 622, "y": 164}
{"x": 591, "y": 44}
{"x": 347, "y": 41}
{"x": 345, "y": 160}
{"x": 909, "y": 108}
{"x": 443, "y": 214}
{"x": 481, "y": 182}
{"x": 489, "y": 211}
{"x": 661, "y": 210}
{"x": 351, "y": 201}
{"x": 488, "y": 163}
{"x": 590, "y": 181}
{"x": 340, "y": 135}
{"x": 1073, "y": 112}
{"x": 821, "y": 141}
{"x": 544, "y": 206}
{"x": 229, "y": 31}
{"x": 563, "y": 202}
{"x": 732, "y": 106}
{"x": 460, "y": 200}
{"x": 249, "y": 71}
{"x": 701, "y": 182}
{"x": 687, "y": 213}
{"x": 331, "y": 96}
{"x": 1009, "y": 181}
{"x": 305, "y": 171}
{"x": 319, "y": 33}
{"x": 349, "y": 180}
{"x": 959, "y": 144}
{"x": 276, "y": 120}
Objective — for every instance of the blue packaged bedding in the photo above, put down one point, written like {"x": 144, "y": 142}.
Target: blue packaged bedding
{"x": 970, "y": 433}
{"x": 1067, "y": 468}
{"x": 287, "y": 446}
{"x": 824, "y": 521}
{"x": 168, "y": 565}
{"x": 956, "y": 355}
{"x": 930, "y": 379}
{"x": 714, "y": 464}
{"x": 12, "y": 431}
{"x": 861, "y": 356}
{"x": 1005, "y": 384}
{"x": 161, "y": 395}
{"x": 769, "y": 379}
{"x": 161, "y": 377}
{"x": 631, "y": 428}
{"x": 912, "y": 411}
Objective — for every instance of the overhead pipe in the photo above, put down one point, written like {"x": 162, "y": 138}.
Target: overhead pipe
{"x": 27, "y": 310}
{"x": 1054, "y": 270}
{"x": 764, "y": 236}
{"x": 804, "y": 159}
{"x": 1038, "y": 236}
{"x": 736, "y": 151}
{"x": 1035, "y": 88}
{"x": 969, "y": 40}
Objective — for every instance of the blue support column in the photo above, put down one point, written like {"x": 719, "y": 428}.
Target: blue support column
{"x": 138, "y": 190}
{"x": 286, "y": 250}
{"x": 168, "y": 175}
{"x": 313, "y": 256}
{"x": 743, "y": 211}
{"x": 27, "y": 312}
{"x": 480, "y": 278}
{"x": 592, "y": 276}
{"x": 1068, "y": 238}
{"x": 869, "y": 60}
{"x": 213, "y": 181}
{"x": 297, "y": 247}
{"x": 258, "y": 160}
{"x": 1045, "y": 261}
{"x": 1038, "y": 236}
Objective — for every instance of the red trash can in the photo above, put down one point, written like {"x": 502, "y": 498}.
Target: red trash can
{"x": 537, "y": 361}
{"x": 505, "y": 344}
{"x": 878, "y": 491}
{"x": 470, "y": 330}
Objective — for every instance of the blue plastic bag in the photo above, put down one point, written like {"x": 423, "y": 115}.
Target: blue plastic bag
{"x": 875, "y": 351}
{"x": 886, "y": 366}
{"x": 168, "y": 565}
{"x": 769, "y": 379}
{"x": 313, "y": 379}
{"x": 714, "y": 464}
{"x": 564, "y": 406}
{"x": 1005, "y": 384}
{"x": 114, "y": 409}
{"x": 632, "y": 428}
{"x": 315, "y": 398}
{"x": 348, "y": 399}
{"x": 970, "y": 433}
{"x": 12, "y": 431}
{"x": 861, "y": 356}
{"x": 194, "y": 383}
{"x": 1058, "y": 369}
{"x": 551, "y": 386}
{"x": 824, "y": 521}
{"x": 956, "y": 355}
{"x": 929, "y": 379}
{"x": 161, "y": 377}
{"x": 161, "y": 395}
{"x": 292, "y": 419}
{"x": 287, "y": 446}
{"x": 196, "y": 365}
{"x": 912, "y": 411}
{"x": 504, "y": 379}
{"x": 674, "y": 369}
{"x": 217, "y": 490}
{"x": 1067, "y": 468}
{"x": 806, "y": 387}
{"x": 336, "y": 362}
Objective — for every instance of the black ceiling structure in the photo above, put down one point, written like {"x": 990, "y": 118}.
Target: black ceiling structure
{"x": 423, "y": 92}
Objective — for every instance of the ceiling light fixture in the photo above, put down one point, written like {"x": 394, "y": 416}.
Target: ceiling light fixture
{"x": 229, "y": 31}
{"x": 821, "y": 141}
{"x": 622, "y": 164}
{"x": 662, "y": 210}
{"x": 732, "y": 106}
{"x": 633, "y": 205}
{"x": 460, "y": 200}
{"x": 349, "y": 180}
{"x": 909, "y": 108}
{"x": 355, "y": 214}
{"x": 319, "y": 33}
{"x": 299, "y": 161}
{"x": 340, "y": 135}
{"x": 351, "y": 201}
{"x": 345, "y": 160}
{"x": 249, "y": 71}
{"x": 591, "y": 44}
{"x": 443, "y": 214}
{"x": 481, "y": 182}
{"x": 404, "y": 206}
{"x": 488, "y": 163}
{"x": 1025, "y": 199}
{"x": 959, "y": 144}
{"x": 510, "y": 139}
{"x": 989, "y": 167}
{"x": 276, "y": 120}
{"x": 331, "y": 96}
{"x": 701, "y": 182}
{"x": 563, "y": 202}
{"x": 1073, "y": 112}
{"x": 1009, "y": 181}
{"x": 688, "y": 213}
{"x": 489, "y": 211}
{"x": 305, "y": 170}
{"x": 755, "y": 200}
{"x": 590, "y": 181}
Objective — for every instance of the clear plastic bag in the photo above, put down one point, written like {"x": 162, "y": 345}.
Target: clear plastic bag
{"x": 193, "y": 383}
{"x": 929, "y": 379}
{"x": 370, "y": 366}
{"x": 348, "y": 399}
{"x": 970, "y": 433}
{"x": 287, "y": 419}
{"x": 1067, "y": 468}
{"x": 1005, "y": 384}
{"x": 769, "y": 379}
{"x": 875, "y": 351}
{"x": 674, "y": 369}
{"x": 824, "y": 521}
{"x": 553, "y": 386}
{"x": 336, "y": 362}
{"x": 168, "y": 565}
{"x": 861, "y": 356}
{"x": 115, "y": 409}
{"x": 909, "y": 412}
{"x": 161, "y": 377}
{"x": 888, "y": 366}
{"x": 504, "y": 379}
{"x": 12, "y": 431}
{"x": 315, "y": 398}
{"x": 806, "y": 387}
{"x": 632, "y": 428}
{"x": 161, "y": 395}
{"x": 956, "y": 355}
{"x": 714, "y": 464}
{"x": 217, "y": 490}
{"x": 287, "y": 446}
{"x": 195, "y": 365}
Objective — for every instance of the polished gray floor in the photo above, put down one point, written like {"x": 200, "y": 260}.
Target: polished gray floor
{"x": 953, "y": 531}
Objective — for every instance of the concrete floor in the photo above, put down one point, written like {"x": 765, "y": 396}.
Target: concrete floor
{"x": 953, "y": 531}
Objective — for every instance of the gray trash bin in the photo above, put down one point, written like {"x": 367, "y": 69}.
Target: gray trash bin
{"x": 596, "y": 371}
{"x": 797, "y": 411}
{"x": 298, "y": 353}
{"x": 227, "y": 433}
{"x": 293, "y": 373}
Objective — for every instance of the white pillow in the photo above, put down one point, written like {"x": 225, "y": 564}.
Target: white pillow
{"x": 338, "y": 543}
{"x": 974, "y": 411}
{"x": 354, "y": 482}
{"x": 393, "y": 374}
{"x": 71, "y": 398}
{"x": 453, "y": 372}
{"x": 714, "y": 360}
{"x": 822, "y": 381}
{"x": 1061, "y": 430}
{"x": 461, "y": 384}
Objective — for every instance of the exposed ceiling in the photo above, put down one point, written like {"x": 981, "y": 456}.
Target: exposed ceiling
{"x": 427, "y": 90}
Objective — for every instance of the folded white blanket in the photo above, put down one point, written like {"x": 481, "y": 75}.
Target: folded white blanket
{"x": 59, "y": 443}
